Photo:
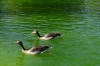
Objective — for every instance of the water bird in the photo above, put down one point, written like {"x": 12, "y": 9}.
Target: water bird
{"x": 34, "y": 50}
{"x": 47, "y": 36}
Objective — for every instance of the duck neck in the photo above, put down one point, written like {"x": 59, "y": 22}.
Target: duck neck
{"x": 23, "y": 48}
{"x": 38, "y": 34}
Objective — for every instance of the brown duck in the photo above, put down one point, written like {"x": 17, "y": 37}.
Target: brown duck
{"x": 34, "y": 49}
{"x": 47, "y": 36}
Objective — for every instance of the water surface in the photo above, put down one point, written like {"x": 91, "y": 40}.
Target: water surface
{"x": 80, "y": 24}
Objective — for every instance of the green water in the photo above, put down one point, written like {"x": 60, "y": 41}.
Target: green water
{"x": 78, "y": 21}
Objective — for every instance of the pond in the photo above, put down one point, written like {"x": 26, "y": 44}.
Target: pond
{"x": 79, "y": 22}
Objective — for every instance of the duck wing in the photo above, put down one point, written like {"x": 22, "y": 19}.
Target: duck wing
{"x": 52, "y": 35}
{"x": 39, "y": 48}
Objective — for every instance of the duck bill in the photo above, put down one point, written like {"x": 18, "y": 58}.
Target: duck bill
{"x": 15, "y": 43}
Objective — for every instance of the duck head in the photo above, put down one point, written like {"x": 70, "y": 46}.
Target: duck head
{"x": 34, "y": 32}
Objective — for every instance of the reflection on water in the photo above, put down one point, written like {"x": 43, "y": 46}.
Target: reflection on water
{"x": 79, "y": 22}
{"x": 31, "y": 7}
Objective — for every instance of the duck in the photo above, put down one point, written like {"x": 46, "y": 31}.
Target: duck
{"x": 47, "y": 36}
{"x": 34, "y": 50}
